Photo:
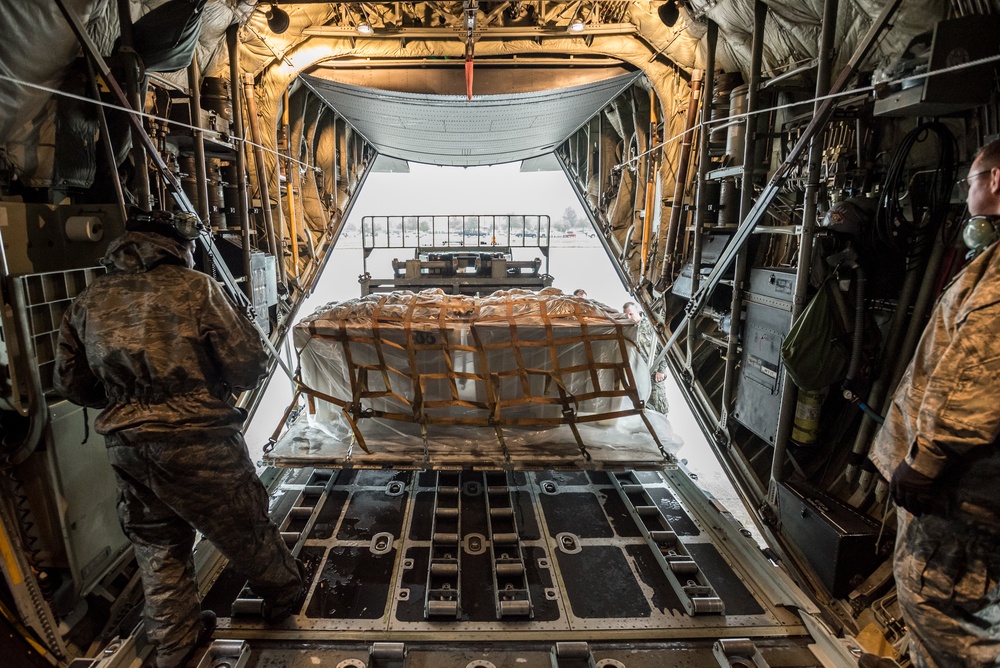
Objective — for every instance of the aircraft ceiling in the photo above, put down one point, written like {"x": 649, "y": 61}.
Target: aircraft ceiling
{"x": 662, "y": 39}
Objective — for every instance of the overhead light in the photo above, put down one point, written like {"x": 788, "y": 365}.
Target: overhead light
{"x": 577, "y": 25}
{"x": 364, "y": 28}
{"x": 277, "y": 19}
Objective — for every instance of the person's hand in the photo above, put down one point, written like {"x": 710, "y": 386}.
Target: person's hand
{"x": 911, "y": 489}
{"x": 658, "y": 376}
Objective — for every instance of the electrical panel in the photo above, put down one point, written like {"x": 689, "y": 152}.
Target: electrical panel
{"x": 955, "y": 42}
{"x": 767, "y": 321}
{"x": 264, "y": 284}
{"x": 711, "y": 250}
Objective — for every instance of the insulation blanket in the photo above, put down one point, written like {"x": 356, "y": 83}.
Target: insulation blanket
{"x": 518, "y": 366}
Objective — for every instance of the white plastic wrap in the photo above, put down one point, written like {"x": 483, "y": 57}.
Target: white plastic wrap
{"x": 494, "y": 377}
{"x": 610, "y": 444}
{"x": 526, "y": 343}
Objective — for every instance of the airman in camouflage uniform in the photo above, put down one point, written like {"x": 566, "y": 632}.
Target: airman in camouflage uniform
{"x": 939, "y": 448}
{"x": 160, "y": 348}
{"x": 648, "y": 345}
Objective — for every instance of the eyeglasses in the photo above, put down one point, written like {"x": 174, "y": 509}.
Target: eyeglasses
{"x": 966, "y": 183}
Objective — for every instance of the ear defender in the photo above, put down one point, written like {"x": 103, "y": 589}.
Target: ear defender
{"x": 979, "y": 232}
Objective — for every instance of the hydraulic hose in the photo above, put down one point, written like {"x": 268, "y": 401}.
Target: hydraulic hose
{"x": 859, "y": 325}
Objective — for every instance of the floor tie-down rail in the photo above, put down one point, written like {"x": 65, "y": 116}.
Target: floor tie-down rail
{"x": 370, "y": 547}
{"x": 510, "y": 584}
{"x": 685, "y": 576}
{"x": 294, "y": 529}
{"x": 443, "y": 597}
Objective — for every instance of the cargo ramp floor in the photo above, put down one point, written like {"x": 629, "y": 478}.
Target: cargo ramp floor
{"x": 531, "y": 568}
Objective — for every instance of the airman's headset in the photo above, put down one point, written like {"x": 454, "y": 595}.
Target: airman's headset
{"x": 980, "y": 231}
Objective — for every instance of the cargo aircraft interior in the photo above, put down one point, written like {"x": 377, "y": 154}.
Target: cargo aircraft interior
{"x": 463, "y": 455}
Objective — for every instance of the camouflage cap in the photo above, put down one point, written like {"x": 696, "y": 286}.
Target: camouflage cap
{"x": 176, "y": 224}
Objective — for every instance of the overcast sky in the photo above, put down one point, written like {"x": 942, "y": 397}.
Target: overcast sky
{"x": 501, "y": 189}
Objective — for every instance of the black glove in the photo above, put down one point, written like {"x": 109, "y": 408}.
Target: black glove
{"x": 911, "y": 489}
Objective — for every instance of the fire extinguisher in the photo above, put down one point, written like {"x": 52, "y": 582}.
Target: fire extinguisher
{"x": 808, "y": 407}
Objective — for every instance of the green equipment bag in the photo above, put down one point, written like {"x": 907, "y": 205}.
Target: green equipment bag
{"x": 813, "y": 352}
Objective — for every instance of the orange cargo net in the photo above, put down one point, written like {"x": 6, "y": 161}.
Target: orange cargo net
{"x": 515, "y": 358}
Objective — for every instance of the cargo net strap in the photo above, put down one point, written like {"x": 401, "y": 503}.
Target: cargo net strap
{"x": 503, "y": 361}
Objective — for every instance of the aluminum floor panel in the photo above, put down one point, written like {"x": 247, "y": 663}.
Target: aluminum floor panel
{"x": 588, "y": 571}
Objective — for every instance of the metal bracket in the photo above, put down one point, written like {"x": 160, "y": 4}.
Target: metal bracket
{"x": 120, "y": 653}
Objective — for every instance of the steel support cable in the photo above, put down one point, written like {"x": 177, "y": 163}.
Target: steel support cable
{"x": 756, "y": 213}
{"x": 879, "y": 22}
{"x": 228, "y": 280}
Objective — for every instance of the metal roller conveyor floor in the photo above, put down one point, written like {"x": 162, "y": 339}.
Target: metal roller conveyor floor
{"x": 488, "y": 556}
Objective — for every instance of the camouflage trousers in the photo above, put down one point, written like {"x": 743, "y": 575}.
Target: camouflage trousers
{"x": 658, "y": 396}
{"x": 169, "y": 485}
{"x": 947, "y": 581}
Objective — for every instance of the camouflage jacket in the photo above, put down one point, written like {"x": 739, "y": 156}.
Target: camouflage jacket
{"x": 155, "y": 344}
{"x": 945, "y": 415}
